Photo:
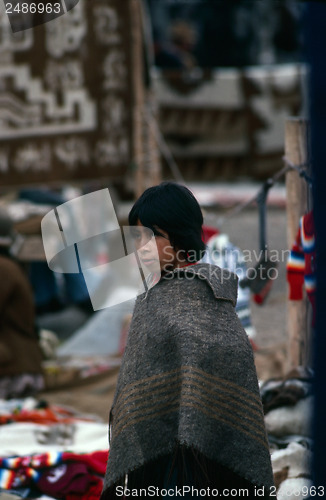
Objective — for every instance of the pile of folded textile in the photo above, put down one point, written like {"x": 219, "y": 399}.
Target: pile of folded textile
{"x": 288, "y": 407}
{"x": 50, "y": 452}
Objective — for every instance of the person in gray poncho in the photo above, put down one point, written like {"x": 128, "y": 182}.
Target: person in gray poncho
{"x": 187, "y": 415}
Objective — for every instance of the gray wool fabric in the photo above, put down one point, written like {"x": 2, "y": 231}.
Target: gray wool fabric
{"x": 188, "y": 378}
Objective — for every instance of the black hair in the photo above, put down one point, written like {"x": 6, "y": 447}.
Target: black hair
{"x": 173, "y": 208}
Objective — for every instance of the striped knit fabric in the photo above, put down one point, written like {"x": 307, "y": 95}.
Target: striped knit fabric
{"x": 17, "y": 472}
{"x": 27, "y": 471}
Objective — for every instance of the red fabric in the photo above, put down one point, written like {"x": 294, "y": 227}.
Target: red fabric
{"x": 296, "y": 281}
{"x": 308, "y": 230}
{"x": 45, "y": 416}
{"x": 93, "y": 493}
{"x": 208, "y": 232}
{"x": 295, "y": 274}
{"x": 96, "y": 461}
{"x": 253, "y": 344}
{"x": 301, "y": 264}
{"x": 260, "y": 297}
{"x": 69, "y": 474}
{"x": 63, "y": 479}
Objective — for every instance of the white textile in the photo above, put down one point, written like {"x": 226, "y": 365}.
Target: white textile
{"x": 28, "y": 438}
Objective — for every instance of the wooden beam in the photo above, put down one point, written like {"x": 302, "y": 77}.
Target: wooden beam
{"x": 296, "y": 205}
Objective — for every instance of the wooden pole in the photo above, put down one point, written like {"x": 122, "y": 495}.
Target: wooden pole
{"x": 138, "y": 96}
{"x": 153, "y": 160}
{"x": 296, "y": 205}
{"x": 145, "y": 150}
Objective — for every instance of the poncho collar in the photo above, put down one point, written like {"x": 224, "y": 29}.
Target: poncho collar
{"x": 223, "y": 283}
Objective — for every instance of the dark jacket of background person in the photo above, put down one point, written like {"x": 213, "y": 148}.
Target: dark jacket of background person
{"x": 19, "y": 348}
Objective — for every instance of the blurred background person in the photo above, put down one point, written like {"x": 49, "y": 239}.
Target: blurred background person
{"x": 178, "y": 52}
{"x": 61, "y": 300}
{"x": 20, "y": 353}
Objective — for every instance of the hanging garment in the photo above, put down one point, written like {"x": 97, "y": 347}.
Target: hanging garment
{"x": 301, "y": 265}
{"x": 188, "y": 381}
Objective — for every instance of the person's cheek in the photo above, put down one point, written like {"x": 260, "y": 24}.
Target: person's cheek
{"x": 168, "y": 254}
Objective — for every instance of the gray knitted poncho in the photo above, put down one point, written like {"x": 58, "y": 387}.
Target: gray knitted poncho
{"x": 188, "y": 378}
